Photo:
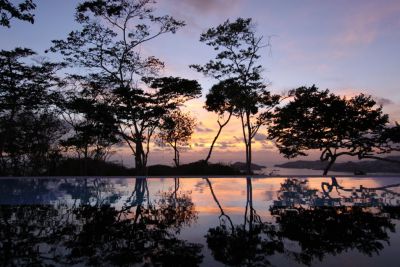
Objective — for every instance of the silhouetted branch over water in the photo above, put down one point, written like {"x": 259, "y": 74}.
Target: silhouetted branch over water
{"x": 334, "y": 125}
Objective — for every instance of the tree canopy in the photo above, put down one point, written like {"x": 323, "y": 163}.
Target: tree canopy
{"x": 29, "y": 124}
{"x": 92, "y": 124}
{"x": 236, "y": 66}
{"x": 176, "y": 130}
{"x": 108, "y": 47}
{"x": 337, "y": 126}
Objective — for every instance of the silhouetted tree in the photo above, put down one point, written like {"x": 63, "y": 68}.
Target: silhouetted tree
{"x": 92, "y": 125}
{"x": 336, "y": 126}
{"x": 23, "y": 11}
{"x": 29, "y": 122}
{"x": 34, "y": 148}
{"x": 91, "y": 138}
{"x": 237, "y": 59}
{"x": 176, "y": 130}
{"x": 108, "y": 46}
{"x": 220, "y": 100}
{"x": 139, "y": 115}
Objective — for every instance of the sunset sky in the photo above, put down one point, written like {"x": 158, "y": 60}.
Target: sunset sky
{"x": 347, "y": 46}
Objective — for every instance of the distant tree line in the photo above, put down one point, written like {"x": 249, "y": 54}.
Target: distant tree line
{"x": 106, "y": 92}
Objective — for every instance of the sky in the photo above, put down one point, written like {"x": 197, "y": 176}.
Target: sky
{"x": 349, "y": 47}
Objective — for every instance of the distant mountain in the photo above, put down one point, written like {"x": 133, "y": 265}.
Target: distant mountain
{"x": 241, "y": 166}
{"x": 365, "y": 166}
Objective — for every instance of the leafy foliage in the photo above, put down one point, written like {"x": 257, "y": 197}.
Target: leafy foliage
{"x": 23, "y": 11}
{"x": 108, "y": 47}
{"x": 334, "y": 125}
{"x": 241, "y": 90}
{"x": 92, "y": 123}
{"x": 176, "y": 130}
{"x": 139, "y": 115}
{"x": 29, "y": 122}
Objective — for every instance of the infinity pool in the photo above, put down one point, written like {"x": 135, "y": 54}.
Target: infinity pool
{"x": 200, "y": 222}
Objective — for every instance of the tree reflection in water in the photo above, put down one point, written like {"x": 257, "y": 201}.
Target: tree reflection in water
{"x": 326, "y": 225}
{"x": 96, "y": 232}
{"x": 247, "y": 244}
{"x": 90, "y": 222}
{"x": 320, "y": 223}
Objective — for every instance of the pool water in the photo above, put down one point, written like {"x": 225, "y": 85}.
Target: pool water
{"x": 200, "y": 221}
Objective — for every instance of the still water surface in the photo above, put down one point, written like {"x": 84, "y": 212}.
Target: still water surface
{"x": 200, "y": 222}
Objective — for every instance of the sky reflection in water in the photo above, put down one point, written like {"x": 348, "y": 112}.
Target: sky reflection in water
{"x": 193, "y": 222}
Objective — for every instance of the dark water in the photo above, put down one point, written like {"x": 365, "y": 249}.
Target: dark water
{"x": 200, "y": 222}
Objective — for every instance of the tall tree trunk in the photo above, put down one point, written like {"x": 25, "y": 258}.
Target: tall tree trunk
{"x": 245, "y": 140}
{"x": 139, "y": 160}
{"x": 176, "y": 153}
{"x": 328, "y": 167}
{"x": 221, "y": 126}
{"x": 248, "y": 150}
{"x": 249, "y": 159}
{"x": 136, "y": 146}
{"x": 176, "y": 156}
